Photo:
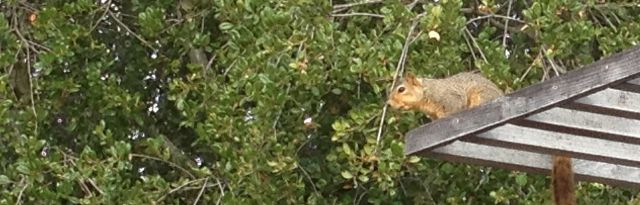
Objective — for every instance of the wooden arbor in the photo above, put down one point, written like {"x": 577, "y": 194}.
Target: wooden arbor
{"x": 591, "y": 114}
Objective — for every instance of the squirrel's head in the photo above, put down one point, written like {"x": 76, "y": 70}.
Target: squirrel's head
{"x": 408, "y": 94}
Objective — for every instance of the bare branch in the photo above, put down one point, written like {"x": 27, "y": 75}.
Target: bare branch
{"x": 473, "y": 52}
{"x": 19, "y": 200}
{"x": 144, "y": 42}
{"x": 473, "y": 40}
{"x": 506, "y": 26}
{"x": 413, "y": 4}
{"x": 346, "y": 6}
{"x": 165, "y": 161}
{"x": 399, "y": 71}
{"x": 221, "y": 191}
{"x": 204, "y": 185}
{"x": 182, "y": 187}
{"x": 531, "y": 66}
{"x": 495, "y": 16}
{"x": 27, "y": 49}
{"x": 104, "y": 14}
{"x": 558, "y": 70}
{"x": 313, "y": 185}
{"x": 358, "y": 14}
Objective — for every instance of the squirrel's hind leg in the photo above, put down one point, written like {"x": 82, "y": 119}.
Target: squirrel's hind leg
{"x": 478, "y": 95}
{"x": 475, "y": 97}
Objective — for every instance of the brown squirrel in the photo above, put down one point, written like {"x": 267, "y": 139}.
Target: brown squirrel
{"x": 438, "y": 98}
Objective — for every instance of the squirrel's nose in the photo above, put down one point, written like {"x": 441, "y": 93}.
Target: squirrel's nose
{"x": 391, "y": 103}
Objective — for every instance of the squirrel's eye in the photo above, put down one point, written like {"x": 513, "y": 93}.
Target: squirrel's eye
{"x": 401, "y": 89}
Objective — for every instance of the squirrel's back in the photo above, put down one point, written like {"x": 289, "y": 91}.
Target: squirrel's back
{"x": 461, "y": 91}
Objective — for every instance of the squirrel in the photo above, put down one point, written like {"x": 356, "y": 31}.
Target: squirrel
{"x": 438, "y": 98}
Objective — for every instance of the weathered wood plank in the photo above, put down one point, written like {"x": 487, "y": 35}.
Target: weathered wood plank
{"x": 535, "y": 140}
{"x": 578, "y": 83}
{"x": 585, "y": 170}
{"x": 613, "y": 99}
{"x": 569, "y": 130}
{"x": 625, "y": 129}
{"x": 627, "y": 87}
{"x": 600, "y": 110}
{"x": 634, "y": 81}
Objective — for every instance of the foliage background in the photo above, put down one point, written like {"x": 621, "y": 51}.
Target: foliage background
{"x": 268, "y": 101}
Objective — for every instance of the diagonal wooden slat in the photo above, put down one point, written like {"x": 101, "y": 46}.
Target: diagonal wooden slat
{"x": 624, "y": 129}
{"x": 585, "y": 170}
{"x": 634, "y": 81}
{"x": 612, "y": 70}
{"x": 613, "y": 99}
{"x": 535, "y": 140}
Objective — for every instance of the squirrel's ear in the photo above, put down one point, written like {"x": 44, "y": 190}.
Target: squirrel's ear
{"x": 411, "y": 79}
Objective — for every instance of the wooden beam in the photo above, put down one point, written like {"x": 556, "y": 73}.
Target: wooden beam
{"x": 585, "y": 170}
{"x": 627, "y": 87}
{"x": 542, "y": 141}
{"x": 600, "y": 110}
{"x": 605, "y": 126}
{"x": 578, "y": 83}
{"x": 635, "y": 81}
{"x": 613, "y": 99}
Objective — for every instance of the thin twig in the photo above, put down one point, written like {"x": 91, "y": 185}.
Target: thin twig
{"x": 209, "y": 64}
{"x": 34, "y": 44}
{"x": 19, "y": 200}
{"x": 555, "y": 68}
{"x": 95, "y": 186}
{"x": 71, "y": 160}
{"x": 25, "y": 42}
{"x": 517, "y": 29}
{"x": 359, "y": 199}
{"x": 201, "y": 191}
{"x": 345, "y": 6}
{"x": 473, "y": 40}
{"x": 221, "y": 191}
{"x": 506, "y": 26}
{"x": 226, "y": 71}
{"x": 275, "y": 122}
{"x": 104, "y": 14}
{"x": 413, "y": 4}
{"x": 358, "y": 14}
{"x": 165, "y": 161}
{"x": 181, "y": 188}
{"x": 526, "y": 73}
{"x": 473, "y": 52}
{"x": 115, "y": 18}
{"x": 313, "y": 185}
{"x": 84, "y": 188}
{"x": 184, "y": 185}
{"x": 494, "y": 16}
{"x": 399, "y": 70}
{"x": 416, "y": 37}
{"x": 607, "y": 20}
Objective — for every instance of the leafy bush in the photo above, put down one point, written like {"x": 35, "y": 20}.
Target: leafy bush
{"x": 262, "y": 101}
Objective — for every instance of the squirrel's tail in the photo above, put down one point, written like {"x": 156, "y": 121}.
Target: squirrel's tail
{"x": 562, "y": 181}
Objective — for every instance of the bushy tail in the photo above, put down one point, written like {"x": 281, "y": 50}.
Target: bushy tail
{"x": 562, "y": 181}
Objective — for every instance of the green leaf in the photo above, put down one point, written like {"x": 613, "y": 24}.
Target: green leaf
{"x": 447, "y": 168}
{"x": 521, "y": 179}
{"x": 346, "y": 175}
{"x": 414, "y": 159}
{"x": 4, "y": 180}
{"x": 226, "y": 26}
{"x": 347, "y": 150}
{"x": 363, "y": 178}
